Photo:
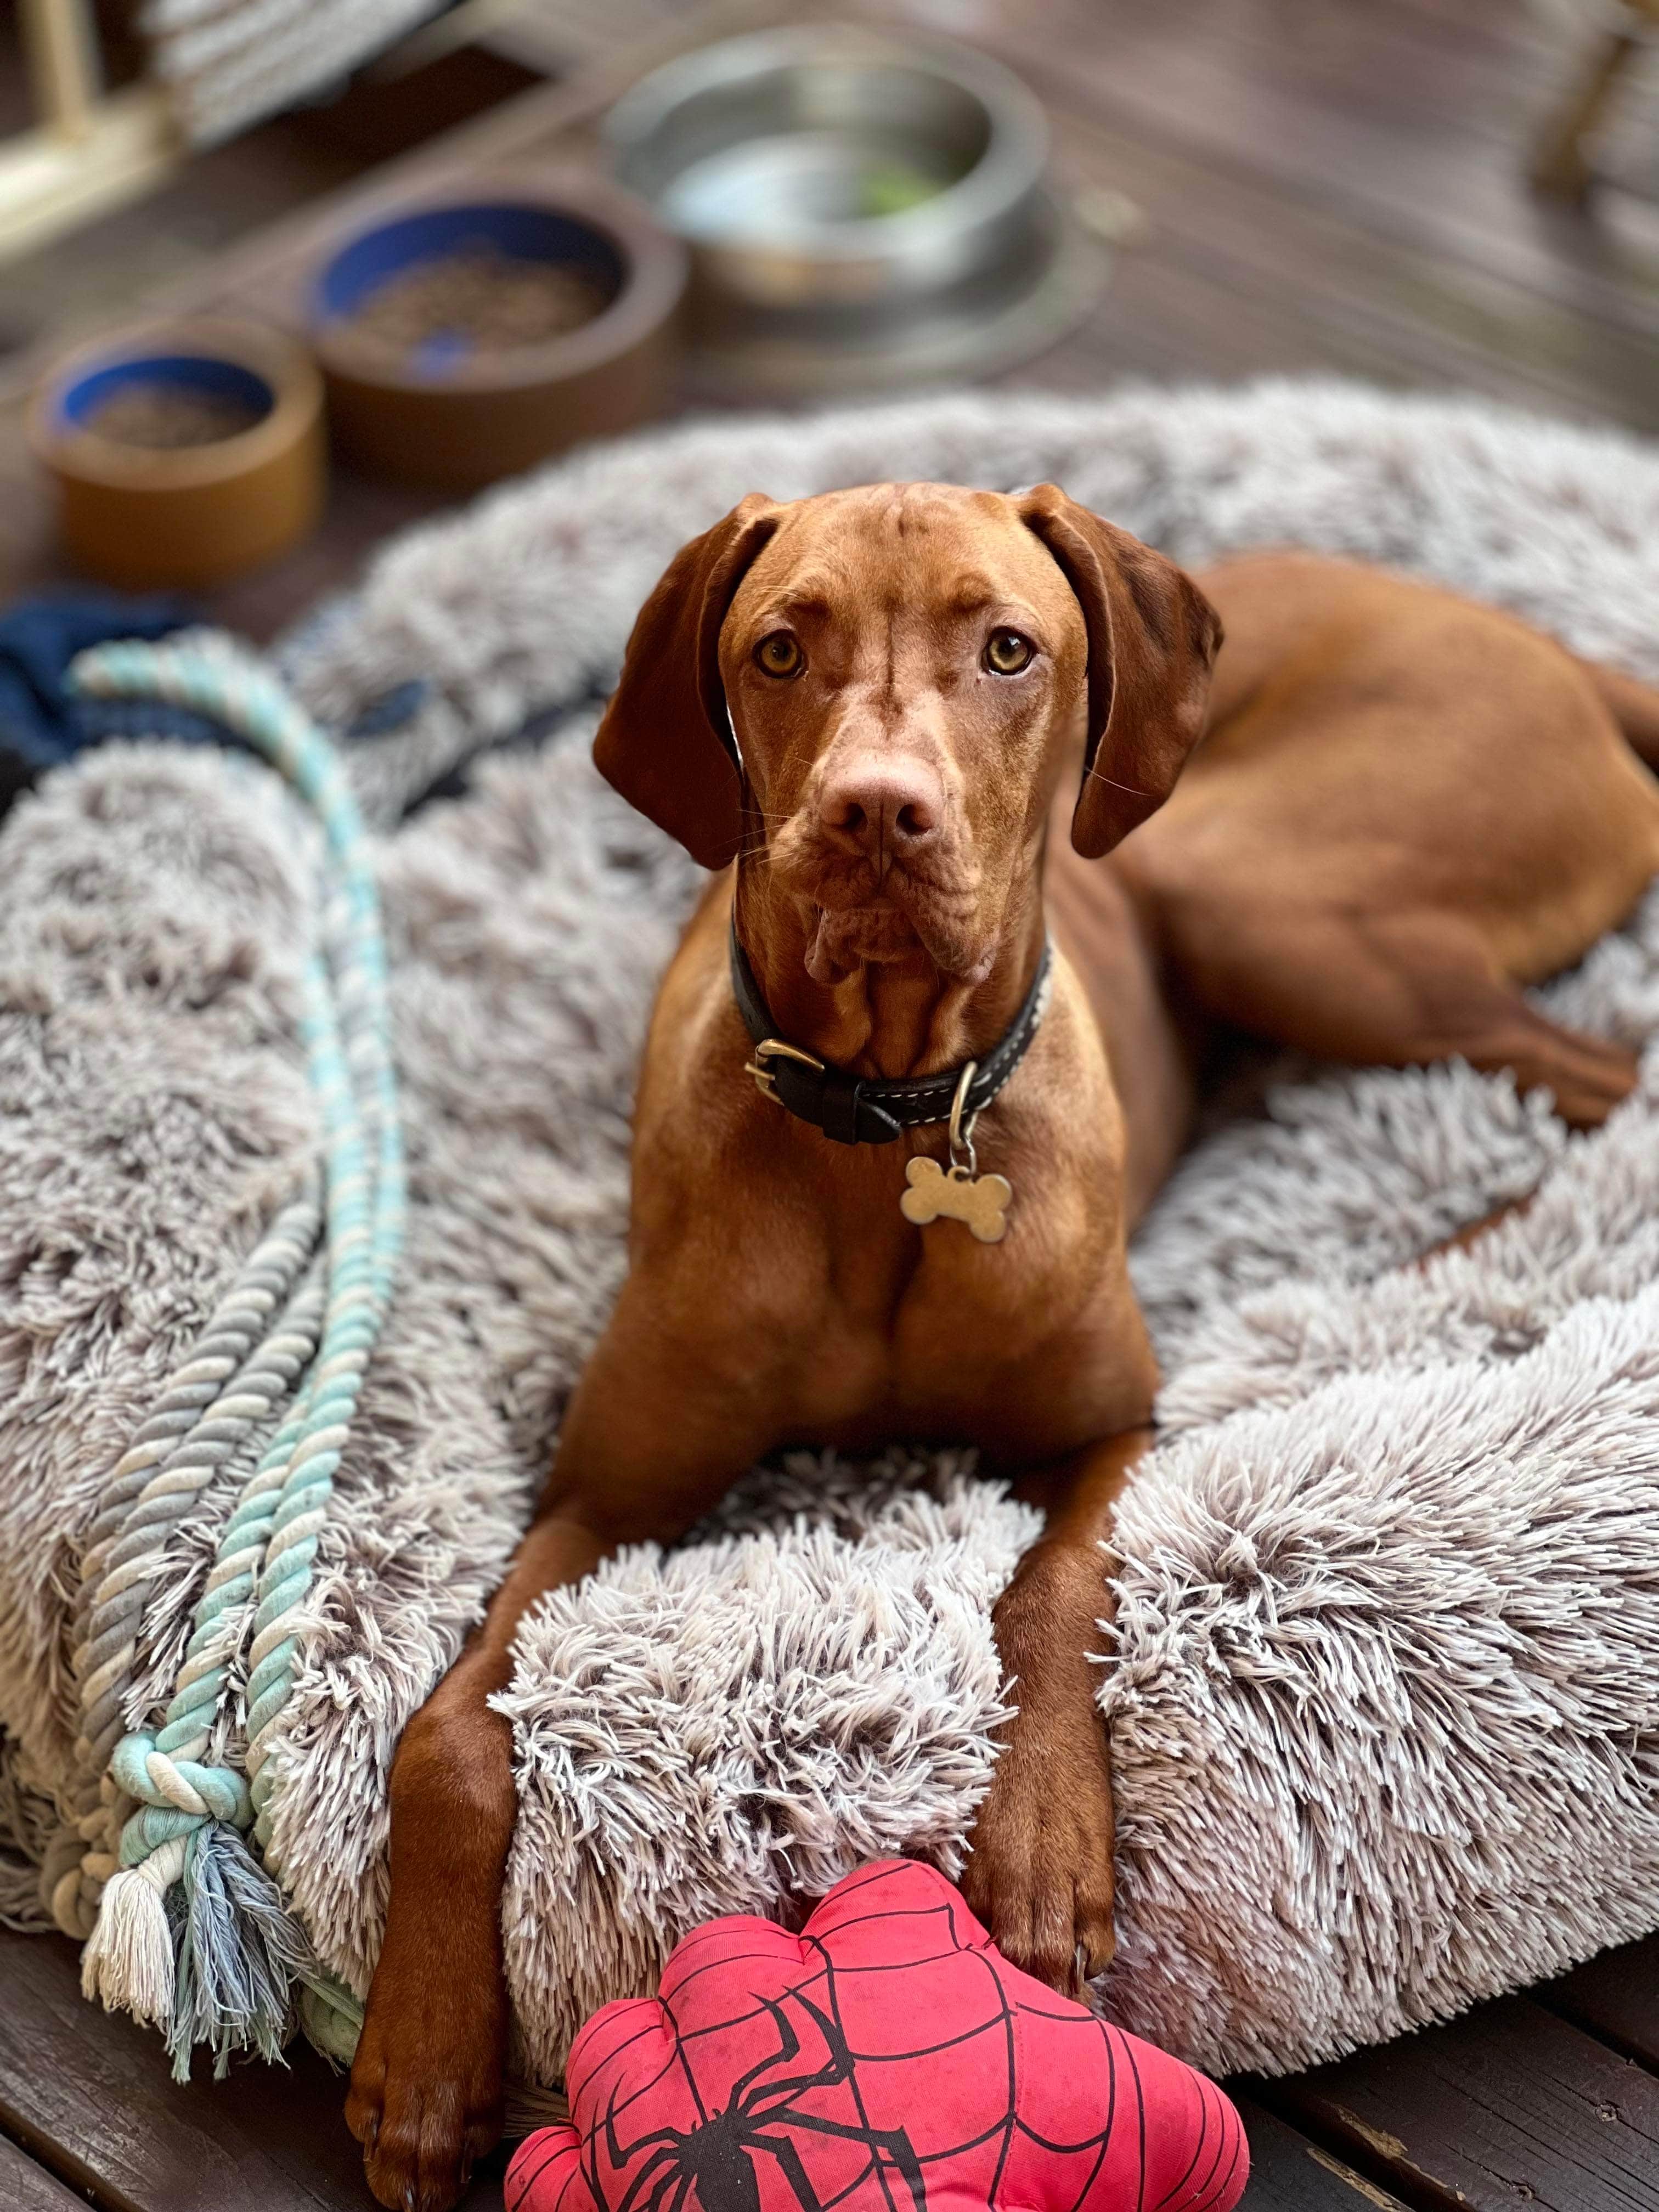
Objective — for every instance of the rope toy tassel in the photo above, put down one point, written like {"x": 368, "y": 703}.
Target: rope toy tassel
{"x": 240, "y": 1954}
{"x": 128, "y": 1963}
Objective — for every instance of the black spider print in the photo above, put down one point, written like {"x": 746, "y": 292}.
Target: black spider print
{"x": 715, "y": 2161}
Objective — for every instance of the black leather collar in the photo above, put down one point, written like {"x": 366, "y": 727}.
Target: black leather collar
{"x": 863, "y": 1109}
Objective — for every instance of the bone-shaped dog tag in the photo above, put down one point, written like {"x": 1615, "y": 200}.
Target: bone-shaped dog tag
{"x": 955, "y": 1195}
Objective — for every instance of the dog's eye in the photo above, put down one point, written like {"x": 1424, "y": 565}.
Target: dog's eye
{"x": 1006, "y": 652}
{"x": 780, "y": 654}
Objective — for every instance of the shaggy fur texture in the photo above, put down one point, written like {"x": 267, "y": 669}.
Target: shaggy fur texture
{"x": 1383, "y": 1708}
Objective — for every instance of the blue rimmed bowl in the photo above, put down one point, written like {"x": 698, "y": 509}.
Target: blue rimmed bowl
{"x": 144, "y": 516}
{"x": 448, "y": 412}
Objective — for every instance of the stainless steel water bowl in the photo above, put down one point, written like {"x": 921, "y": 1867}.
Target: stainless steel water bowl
{"x": 834, "y": 168}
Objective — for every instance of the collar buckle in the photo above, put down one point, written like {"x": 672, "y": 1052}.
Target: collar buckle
{"x": 765, "y": 1082}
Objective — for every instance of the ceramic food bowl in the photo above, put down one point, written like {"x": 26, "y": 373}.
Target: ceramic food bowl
{"x": 184, "y": 453}
{"x": 466, "y": 341}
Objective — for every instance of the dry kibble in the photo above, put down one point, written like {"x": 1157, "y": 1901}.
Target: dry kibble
{"x": 168, "y": 416}
{"x": 489, "y": 301}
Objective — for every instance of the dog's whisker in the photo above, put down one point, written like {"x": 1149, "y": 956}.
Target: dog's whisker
{"x": 1099, "y": 776}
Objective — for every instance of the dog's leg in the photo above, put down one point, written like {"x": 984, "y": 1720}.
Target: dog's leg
{"x": 1040, "y": 1876}
{"x": 426, "y": 2080}
{"x": 1398, "y": 991}
{"x": 654, "y": 1435}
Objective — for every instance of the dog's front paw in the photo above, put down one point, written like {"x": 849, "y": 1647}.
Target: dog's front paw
{"x": 426, "y": 2084}
{"x": 1040, "y": 1877}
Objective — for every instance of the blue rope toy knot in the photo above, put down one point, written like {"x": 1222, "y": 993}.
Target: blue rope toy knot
{"x": 179, "y": 1795}
{"x": 191, "y": 1928}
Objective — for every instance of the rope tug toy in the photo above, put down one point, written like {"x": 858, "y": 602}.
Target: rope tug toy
{"x": 172, "y": 1877}
{"x": 888, "y": 2058}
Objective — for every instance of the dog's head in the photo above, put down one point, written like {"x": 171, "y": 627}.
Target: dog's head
{"x": 875, "y": 693}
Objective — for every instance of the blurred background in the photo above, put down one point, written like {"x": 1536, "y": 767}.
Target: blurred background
{"x": 453, "y": 241}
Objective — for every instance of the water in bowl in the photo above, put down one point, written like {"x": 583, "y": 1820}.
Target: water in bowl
{"x": 786, "y": 186}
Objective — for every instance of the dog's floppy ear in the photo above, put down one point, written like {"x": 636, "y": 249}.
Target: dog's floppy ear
{"x": 1152, "y": 641}
{"x": 665, "y": 742}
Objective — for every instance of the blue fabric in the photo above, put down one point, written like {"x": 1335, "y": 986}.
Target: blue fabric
{"x": 42, "y": 723}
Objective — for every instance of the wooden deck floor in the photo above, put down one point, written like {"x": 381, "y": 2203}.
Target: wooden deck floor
{"x": 1549, "y": 2100}
{"x": 1327, "y": 185}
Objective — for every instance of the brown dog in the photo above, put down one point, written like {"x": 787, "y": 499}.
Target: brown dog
{"x": 872, "y": 702}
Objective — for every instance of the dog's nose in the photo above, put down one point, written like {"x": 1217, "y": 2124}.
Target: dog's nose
{"x": 876, "y": 805}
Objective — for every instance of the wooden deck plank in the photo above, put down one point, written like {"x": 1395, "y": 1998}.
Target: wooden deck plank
{"x": 1615, "y": 1996}
{"x": 1375, "y": 145}
{"x": 1289, "y": 2173}
{"x": 1509, "y": 2105}
{"x": 1545, "y": 308}
{"x": 27, "y": 2187}
{"x": 1300, "y": 289}
{"x": 89, "y": 2095}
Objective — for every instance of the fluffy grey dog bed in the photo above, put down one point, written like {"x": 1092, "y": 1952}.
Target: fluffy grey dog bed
{"x": 1386, "y": 1689}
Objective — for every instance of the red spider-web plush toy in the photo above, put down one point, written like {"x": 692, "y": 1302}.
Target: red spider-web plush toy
{"x": 886, "y": 2059}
